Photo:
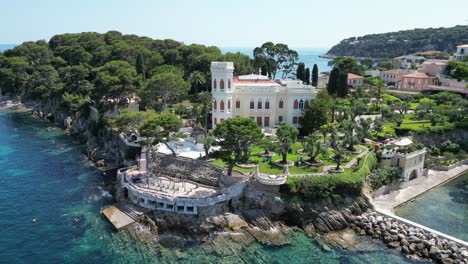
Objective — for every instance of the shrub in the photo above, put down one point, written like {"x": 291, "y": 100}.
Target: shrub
{"x": 384, "y": 176}
{"x": 329, "y": 187}
{"x": 400, "y": 131}
{"x": 449, "y": 146}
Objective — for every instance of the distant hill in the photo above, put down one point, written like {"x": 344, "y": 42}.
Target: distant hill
{"x": 394, "y": 44}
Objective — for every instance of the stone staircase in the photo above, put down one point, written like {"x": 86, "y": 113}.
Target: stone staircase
{"x": 128, "y": 210}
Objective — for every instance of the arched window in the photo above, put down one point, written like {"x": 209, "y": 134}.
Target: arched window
{"x": 301, "y": 104}
{"x": 221, "y": 84}
{"x": 237, "y": 103}
{"x": 252, "y": 104}
{"x": 281, "y": 103}
{"x": 215, "y": 105}
{"x": 215, "y": 84}
{"x": 296, "y": 104}
{"x": 259, "y": 104}
{"x": 267, "y": 104}
{"x": 229, "y": 83}
{"x": 229, "y": 105}
{"x": 306, "y": 104}
{"x": 221, "y": 106}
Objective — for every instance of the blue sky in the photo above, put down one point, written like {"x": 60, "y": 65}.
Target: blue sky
{"x": 233, "y": 23}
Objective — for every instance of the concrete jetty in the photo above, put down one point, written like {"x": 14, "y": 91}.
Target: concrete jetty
{"x": 121, "y": 215}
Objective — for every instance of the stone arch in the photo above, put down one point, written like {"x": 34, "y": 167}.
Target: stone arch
{"x": 221, "y": 84}
{"x": 252, "y": 104}
{"x": 267, "y": 104}
{"x": 296, "y": 104}
{"x": 259, "y": 104}
{"x": 281, "y": 103}
{"x": 215, "y": 104}
{"x": 413, "y": 175}
{"x": 306, "y": 104}
{"x": 215, "y": 84}
{"x": 221, "y": 105}
{"x": 229, "y": 105}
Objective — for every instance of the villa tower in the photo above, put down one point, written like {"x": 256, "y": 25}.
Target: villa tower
{"x": 222, "y": 90}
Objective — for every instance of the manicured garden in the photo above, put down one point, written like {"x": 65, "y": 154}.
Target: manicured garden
{"x": 270, "y": 168}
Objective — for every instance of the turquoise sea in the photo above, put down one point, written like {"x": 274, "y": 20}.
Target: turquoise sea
{"x": 45, "y": 177}
{"x": 444, "y": 208}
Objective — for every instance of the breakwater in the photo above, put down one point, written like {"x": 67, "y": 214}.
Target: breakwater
{"x": 415, "y": 241}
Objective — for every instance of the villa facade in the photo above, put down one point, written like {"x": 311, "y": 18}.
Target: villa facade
{"x": 268, "y": 102}
{"x": 462, "y": 51}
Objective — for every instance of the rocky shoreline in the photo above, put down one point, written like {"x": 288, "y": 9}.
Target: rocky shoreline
{"x": 413, "y": 242}
{"x": 260, "y": 215}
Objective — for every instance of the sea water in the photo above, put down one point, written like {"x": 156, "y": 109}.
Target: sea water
{"x": 444, "y": 208}
{"x": 50, "y": 202}
{"x": 309, "y": 56}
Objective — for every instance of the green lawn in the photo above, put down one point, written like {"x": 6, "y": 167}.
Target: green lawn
{"x": 265, "y": 167}
{"x": 421, "y": 126}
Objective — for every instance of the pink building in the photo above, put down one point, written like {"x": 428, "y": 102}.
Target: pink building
{"x": 355, "y": 80}
{"x": 417, "y": 80}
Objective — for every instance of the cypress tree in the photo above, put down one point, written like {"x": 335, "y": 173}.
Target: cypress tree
{"x": 300, "y": 71}
{"x": 333, "y": 81}
{"x": 342, "y": 85}
{"x": 307, "y": 75}
{"x": 315, "y": 73}
{"x": 140, "y": 66}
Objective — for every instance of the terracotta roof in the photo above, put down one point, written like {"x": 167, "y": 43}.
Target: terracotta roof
{"x": 418, "y": 75}
{"x": 354, "y": 76}
{"x": 442, "y": 63}
{"x": 396, "y": 71}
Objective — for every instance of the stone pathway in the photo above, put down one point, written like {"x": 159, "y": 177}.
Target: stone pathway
{"x": 409, "y": 190}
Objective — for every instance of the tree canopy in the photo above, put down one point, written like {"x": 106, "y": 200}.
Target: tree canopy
{"x": 235, "y": 136}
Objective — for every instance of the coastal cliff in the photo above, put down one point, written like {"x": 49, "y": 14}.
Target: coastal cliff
{"x": 100, "y": 144}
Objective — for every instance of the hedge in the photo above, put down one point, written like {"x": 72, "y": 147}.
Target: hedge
{"x": 324, "y": 187}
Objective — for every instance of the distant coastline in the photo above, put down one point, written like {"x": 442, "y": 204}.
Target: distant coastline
{"x": 4, "y": 47}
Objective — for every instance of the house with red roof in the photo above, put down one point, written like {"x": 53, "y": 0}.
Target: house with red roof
{"x": 354, "y": 80}
{"x": 268, "y": 102}
{"x": 416, "y": 80}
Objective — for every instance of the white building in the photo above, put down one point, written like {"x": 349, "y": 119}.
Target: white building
{"x": 405, "y": 62}
{"x": 410, "y": 162}
{"x": 268, "y": 102}
{"x": 462, "y": 51}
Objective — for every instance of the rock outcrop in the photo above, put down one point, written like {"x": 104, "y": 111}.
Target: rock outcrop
{"x": 414, "y": 242}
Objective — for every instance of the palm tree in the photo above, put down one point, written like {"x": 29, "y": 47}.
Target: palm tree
{"x": 286, "y": 135}
{"x": 197, "y": 79}
{"x": 206, "y": 101}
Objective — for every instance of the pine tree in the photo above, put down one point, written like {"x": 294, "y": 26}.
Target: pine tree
{"x": 315, "y": 73}
{"x": 307, "y": 76}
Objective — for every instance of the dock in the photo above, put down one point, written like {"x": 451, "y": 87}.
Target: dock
{"x": 121, "y": 215}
